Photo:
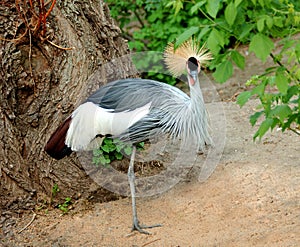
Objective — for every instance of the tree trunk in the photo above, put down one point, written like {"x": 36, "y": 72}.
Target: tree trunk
{"x": 42, "y": 83}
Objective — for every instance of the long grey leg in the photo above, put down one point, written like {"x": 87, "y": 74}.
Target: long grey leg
{"x": 131, "y": 179}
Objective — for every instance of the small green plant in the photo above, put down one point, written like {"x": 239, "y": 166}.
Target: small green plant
{"x": 112, "y": 149}
{"x": 55, "y": 190}
{"x": 45, "y": 203}
{"x": 65, "y": 206}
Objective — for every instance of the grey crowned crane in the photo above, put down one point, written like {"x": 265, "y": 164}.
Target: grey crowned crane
{"x": 135, "y": 110}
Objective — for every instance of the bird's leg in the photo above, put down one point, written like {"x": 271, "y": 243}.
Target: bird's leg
{"x": 131, "y": 179}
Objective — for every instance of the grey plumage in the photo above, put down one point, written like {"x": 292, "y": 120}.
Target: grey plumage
{"x": 171, "y": 110}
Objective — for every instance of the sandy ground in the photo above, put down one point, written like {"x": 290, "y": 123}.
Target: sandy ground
{"x": 251, "y": 199}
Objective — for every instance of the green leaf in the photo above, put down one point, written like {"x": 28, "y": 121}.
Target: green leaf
{"x": 269, "y": 22}
{"x": 97, "y": 152}
{"x": 108, "y": 141}
{"x": 243, "y": 98}
{"x": 68, "y": 200}
{"x": 230, "y": 13}
{"x": 95, "y": 160}
{"x": 238, "y": 59}
{"x": 108, "y": 148}
{"x": 293, "y": 90}
{"x": 119, "y": 148}
{"x": 278, "y": 21}
{"x": 275, "y": 122}
{"x": 119, "y": 156}
{"x": 176, "y": 4}
{"x": 282, "y": 82}
{"x": 254, "y": 117}
{"x": 215, "y": 41}
{"x": 262, "y": 46}
{"x": 237, "y": 3}
{"x": 204, "y": 31}
{"x": 262, "y": 3}
{"x": 212, "y": 7}
{"x": 186, "y": 35}
{"x": 128, "y": 150}
{"x": 223, "y": 71}
{"x": 105, "y": 148}
{"x": 178, "y": 7}
{"x": 104, "y": 160}
{"x": 292, "y": 118}
{"x": 141, "y": 144}
{"x": 259, "y": 89}
{"x": 245, "y": 30}
{"x": 297, "y": 50}
{"x": 261, "y": 24}
{"x": 263, "y": 128}
{"x": 281, "y": 111}
{"x": 197, "y": 6}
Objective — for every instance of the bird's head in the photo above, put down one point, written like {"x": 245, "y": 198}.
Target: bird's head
{"x": 193, "y": 69}
{"x": 188, "y": 57}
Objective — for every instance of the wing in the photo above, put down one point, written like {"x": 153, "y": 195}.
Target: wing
{"x": 132, "y": 110}
{"x": 130, "y": 94}
{"x": 166, "y": 104}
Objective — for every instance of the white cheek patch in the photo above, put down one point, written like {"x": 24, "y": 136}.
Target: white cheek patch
{"x": 191, "y": 80}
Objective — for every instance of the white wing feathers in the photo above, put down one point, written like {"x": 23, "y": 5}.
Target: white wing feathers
{"x": 90, "y": 120}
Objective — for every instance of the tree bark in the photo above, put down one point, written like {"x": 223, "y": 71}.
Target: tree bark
{"x": 41, "y": 84}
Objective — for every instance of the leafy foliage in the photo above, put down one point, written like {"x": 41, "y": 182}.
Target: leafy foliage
{"x": 112, "y": 149}
{"x": 278, "y": 91}
{"x": 223, "y": 25}
{"x": 64, "y": 207}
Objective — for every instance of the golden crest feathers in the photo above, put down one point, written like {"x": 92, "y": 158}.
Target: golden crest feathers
{"x": 176, "y": 59}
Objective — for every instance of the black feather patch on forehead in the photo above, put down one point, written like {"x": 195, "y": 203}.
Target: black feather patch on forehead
{"x": 192, "y": 64}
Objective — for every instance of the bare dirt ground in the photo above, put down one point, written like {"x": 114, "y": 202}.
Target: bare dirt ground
{"x": 251, "y": 199}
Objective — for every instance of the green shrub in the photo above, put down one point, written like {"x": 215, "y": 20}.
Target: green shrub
{"x": 278, "y": 90}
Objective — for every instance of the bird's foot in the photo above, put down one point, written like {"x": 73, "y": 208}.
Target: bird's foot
{"x": 139, "y": 228}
